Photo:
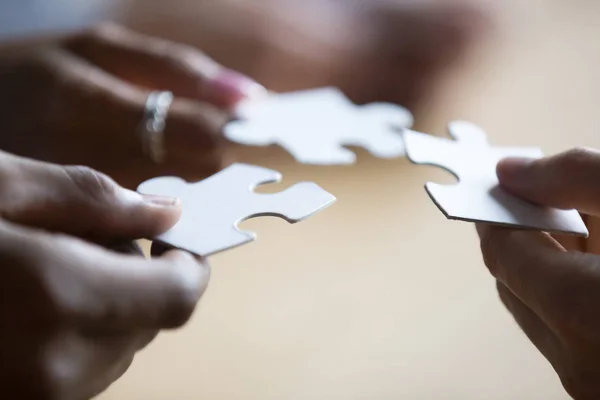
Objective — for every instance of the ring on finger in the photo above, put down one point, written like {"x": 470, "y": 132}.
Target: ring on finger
{"x": 153, "y": 124}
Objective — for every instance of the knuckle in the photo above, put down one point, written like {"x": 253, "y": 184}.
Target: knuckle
{"x": 576, "y": 158}
{"x": 184, "y": 54}
{"x": 91, "y": 184}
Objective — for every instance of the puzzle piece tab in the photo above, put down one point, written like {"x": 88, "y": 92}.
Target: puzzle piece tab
{"x": 478, "y": 197}
{"x": 213, "y": 207}
{"x": 314, "y": 125}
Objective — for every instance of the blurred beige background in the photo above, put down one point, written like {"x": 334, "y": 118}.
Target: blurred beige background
{"x": 379, "y": 297}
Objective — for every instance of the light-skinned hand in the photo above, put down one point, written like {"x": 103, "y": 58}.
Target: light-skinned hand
{"x": 551, "y": 284}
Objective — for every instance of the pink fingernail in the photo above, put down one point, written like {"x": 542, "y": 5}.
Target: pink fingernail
{"x": 230, "y": 87}
{"x": 514, "y": 173}
{"x": 513, "y": 168}
{"x": 160, "y": 201}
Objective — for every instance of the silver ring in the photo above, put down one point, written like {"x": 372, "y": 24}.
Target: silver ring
{"x": 153, "y": 124}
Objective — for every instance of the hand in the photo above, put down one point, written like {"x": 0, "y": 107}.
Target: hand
{"x": 82, "y": 102}
{"x": 551, "y": 284}
{"x": 374, "y": 50}
{"x": 75, "y": 314}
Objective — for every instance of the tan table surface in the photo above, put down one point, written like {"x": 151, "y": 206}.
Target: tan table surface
{"x": 379, "y": 297}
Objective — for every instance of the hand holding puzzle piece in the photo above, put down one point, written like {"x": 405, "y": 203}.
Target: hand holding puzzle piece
{"x": 478, "y": 197}
{"x": 313, "y": 126}
{"x": 213, "y": 207}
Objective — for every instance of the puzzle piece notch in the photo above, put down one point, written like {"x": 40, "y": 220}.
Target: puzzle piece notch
{"x": 477, "y": 197}
{"x": 459, "y": 157}
{"x": 314, "y": 125}
{"x": 468, "y": 134}
{"x": 208, "y": 223}
{"x": 378, "y": 129}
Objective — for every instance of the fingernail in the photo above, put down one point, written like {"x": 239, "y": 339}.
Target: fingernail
{"x": 229, "y": 87}
{"x": 160, "y": 201}
{"x": 512, "y": 169}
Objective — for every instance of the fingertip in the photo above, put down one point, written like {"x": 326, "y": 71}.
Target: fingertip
{"x": 188, "y": 277}
{"x": 188, "y": 260}
{"x": 160, "y": 213}
{"x": 511, "y": 171}
{"x": 227, "y": 88}
{"x": 167, "y": 202}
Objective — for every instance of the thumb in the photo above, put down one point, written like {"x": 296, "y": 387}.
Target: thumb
{"x": 79, "y": 201}
{"x": 567, "y": 181}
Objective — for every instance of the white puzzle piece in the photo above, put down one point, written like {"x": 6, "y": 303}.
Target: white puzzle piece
{"x": 314, "y": 125}
{"x": 478, "y": 197}
{"x": 212, "y": 208}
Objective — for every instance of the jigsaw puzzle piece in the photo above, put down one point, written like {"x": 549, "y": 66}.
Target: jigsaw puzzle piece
{"x": 315, "y": 125}
{"x": 213, "y": 207}
{"x": 468, "y": 134}
{"x": 243, "y": 177}
{"x": 328, "y": 152}
{"x": 378, "y": 129}
{"x": 432, "y": 150}
{"x": 250, "y": 134}
{"x": 291, "y": 108}
{"x": 200, "y": 229}
{"x": 494, "y": 205}
{"x": 287, "y": 120}
{"x": 286, "y": 204}
{"x": 477, "y": 197}
{"x": 387, "y": 114}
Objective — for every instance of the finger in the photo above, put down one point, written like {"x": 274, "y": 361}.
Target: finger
{"x": 109, "y": 112}
{"x": 125, "y": 247}
{"x": 102, "y": 291}
{"x": 531, "y": 264}
{"x": 592, "y": 245}
{"x": 145, "y": 338}
{"x": 577, "y": 243}
{"x": 163, "y": 65}
{"x": 568, "y": 180}
{"x": 538, "y": 333}
{"x": 569, "y": 242}
{"x": 158, "y": 249}
{"x": 102, "y": 380}
{"x": 87, "y": 366}
{"x": 124, "y": 292}
{"x": 161, "y": 294}
{"x": 79, "y": 201}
